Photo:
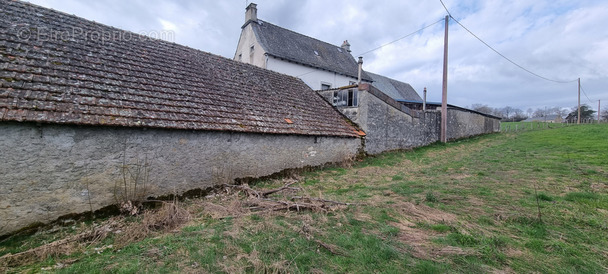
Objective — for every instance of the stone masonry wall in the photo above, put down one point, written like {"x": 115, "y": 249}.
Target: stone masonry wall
{"x": 388, "y": 128}
{"x": 462, "y": 124}
{"x": 391, "y": 126}
{"x": 52, "y": 170}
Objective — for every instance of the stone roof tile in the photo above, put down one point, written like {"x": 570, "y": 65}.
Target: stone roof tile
{"x": 127, "y": 79}
{"x": 295, "y": 47}
{"x": 395, "y": 89}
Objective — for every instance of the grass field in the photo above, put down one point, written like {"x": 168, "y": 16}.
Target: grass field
{"x": 526, "y": 126}
{"x": 535, "y": 201}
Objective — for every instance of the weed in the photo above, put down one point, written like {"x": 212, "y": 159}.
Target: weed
{"x": 544, "y": 197}
{"x": 133, "y": 188}
{"x": 431, "y": 198}
{"x": 581, "y": 196}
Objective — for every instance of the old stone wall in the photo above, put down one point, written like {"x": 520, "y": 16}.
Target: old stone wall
{"x": 388, "y": 128}
{"x": 462, "y": 124}
{"x": 390, "y": 125}
{"x": 51, "y": 170}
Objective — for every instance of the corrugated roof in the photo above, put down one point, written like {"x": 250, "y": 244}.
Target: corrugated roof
{"x": 395, "y": 89}
{"x": 299, "y": 48}
{"x": 85, "y": 73}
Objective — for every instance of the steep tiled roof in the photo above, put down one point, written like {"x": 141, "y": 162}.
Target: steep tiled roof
{"x": 298, "y": 48}
{"x": 58, "y": 68}
{"x": 395, "y": 89}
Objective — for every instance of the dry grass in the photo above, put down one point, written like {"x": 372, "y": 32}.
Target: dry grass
{"x": 168, "y": 217}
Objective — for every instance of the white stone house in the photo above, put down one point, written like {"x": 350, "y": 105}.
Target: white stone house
{"x": 319, "y": 64}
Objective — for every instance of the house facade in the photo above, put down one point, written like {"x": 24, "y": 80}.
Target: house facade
{"x": 80, "y": 115}
{"x": 319, "y": 64}
{"x": 389, "y": 111}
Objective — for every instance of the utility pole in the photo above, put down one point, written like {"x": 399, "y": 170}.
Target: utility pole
{"x": 579, "y": 101}
{"x": 444, "y": 89}
{"x": 598, "y": 111}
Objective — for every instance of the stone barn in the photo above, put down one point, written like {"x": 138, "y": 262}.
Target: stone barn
{"x": 87, "y": 110}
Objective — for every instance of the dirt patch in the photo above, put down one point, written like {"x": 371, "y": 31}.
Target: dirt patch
{"x": 599, "y": 187}
{"x": 423, "y": 213}
{"x": 370, "y": 171}
{"x": 420, "y": 242}
{"x": 460, "y": 176}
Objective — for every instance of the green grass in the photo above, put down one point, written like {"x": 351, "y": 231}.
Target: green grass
{"x": 528, "y": 126}
{"x": 469, "y": 206}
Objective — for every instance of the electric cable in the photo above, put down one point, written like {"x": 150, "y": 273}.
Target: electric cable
{"x": 394, "y": 41}
{"x": 502, "y": 55}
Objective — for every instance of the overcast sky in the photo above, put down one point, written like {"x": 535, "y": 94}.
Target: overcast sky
{"x": 557, "y": 39}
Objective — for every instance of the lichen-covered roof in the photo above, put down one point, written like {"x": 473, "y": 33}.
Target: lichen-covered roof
{"x": 59, "y": 68}
{"x": 295, "y": 47}
{"x": 395, "y": 89}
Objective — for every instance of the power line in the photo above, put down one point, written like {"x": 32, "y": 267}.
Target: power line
{"x": 503, "y": 56}
{"x": 401, "y": 38}
{"x": 586, "y": 94}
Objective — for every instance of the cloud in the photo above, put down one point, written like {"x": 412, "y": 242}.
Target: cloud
{"x": 558, "y": 39}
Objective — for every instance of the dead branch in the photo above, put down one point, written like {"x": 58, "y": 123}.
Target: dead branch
{"x": 285, "y": 187}
{"x": 244, "y": 188}
{"x": 258, "y": 200}
{"x": 168, "y": 217}
{"x": 254, "y": 193}
{"x": 56, "y": 247}
{"x": 331, "y": 248}
{"x": 310, "y": 199}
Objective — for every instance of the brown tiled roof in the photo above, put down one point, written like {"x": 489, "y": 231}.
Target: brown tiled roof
{"x": 58, "y": 68}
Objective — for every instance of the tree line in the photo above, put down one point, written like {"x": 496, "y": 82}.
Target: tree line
{"x": 512, "y": 114}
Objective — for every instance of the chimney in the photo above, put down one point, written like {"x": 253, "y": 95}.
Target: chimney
{"x": 360, "y": 69}
{"x": 424, "y": 101}
{"x": 251, "y": 13}
{"x": 346, "y": 46}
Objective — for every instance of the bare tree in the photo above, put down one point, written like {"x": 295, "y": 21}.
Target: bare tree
{"x": 540, "y": 112}
{"x": 482, "y": 108}
{"x": 506, "y": 112}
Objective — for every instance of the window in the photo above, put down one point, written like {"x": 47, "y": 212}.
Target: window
{"x": 325, "y": 86}
{"x": 251, "y": 51}
{"x": 240, "y": 57}
{"x": 345, "y": 98}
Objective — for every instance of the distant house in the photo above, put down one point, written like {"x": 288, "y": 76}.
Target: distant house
{"x": 77, "y": 111}
{"x": 552, "y": 118}
{"x": 319, "y": 64}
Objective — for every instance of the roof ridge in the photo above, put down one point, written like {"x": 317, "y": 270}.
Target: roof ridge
{"x": 380, "y": 75}
{"x": 310, "y": 37}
